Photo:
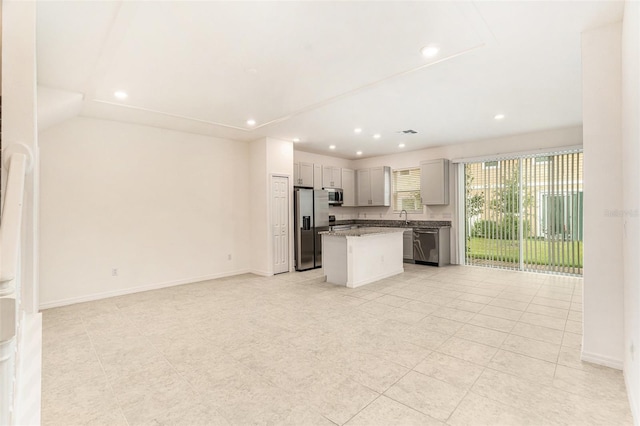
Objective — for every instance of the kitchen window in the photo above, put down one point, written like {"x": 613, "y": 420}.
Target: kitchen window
{"x": 406, "y": 190}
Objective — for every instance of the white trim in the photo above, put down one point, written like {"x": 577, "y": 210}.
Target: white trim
{"x": 131, "y": 290}
{"x": 513, "y": 155}
{"x": 29, "y": 371}
{"x": 372, "y": 279}
{"x": 602, "y": 360}
{"x": 460, "y": 230}
{"x": 289, "y": 218}
{"x": 260, "y": 273}
{"x": 633, "y": 402}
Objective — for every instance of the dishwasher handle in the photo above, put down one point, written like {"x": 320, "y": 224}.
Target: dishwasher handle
{"x": 425, "y": 231}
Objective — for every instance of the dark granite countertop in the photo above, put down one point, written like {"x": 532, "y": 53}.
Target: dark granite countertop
{"x": 397, "y": 223}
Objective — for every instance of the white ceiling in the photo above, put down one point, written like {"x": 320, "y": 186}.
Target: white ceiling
{"x": 316, "y": 70}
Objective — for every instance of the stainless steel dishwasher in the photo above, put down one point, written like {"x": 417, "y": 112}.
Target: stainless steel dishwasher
{"x": 431, "y": 246}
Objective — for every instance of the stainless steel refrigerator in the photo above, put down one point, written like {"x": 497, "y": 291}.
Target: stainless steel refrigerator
{"x": 311, "y": 213}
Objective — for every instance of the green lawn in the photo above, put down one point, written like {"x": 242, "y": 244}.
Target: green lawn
{"x": 538, "y": 252}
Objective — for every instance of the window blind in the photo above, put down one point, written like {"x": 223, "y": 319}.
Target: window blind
{"x": 406, "y": 190}
{"x": 526, "y": 213}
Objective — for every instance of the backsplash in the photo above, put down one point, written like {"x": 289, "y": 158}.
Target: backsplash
{"x": 429, "y": 213}
{"x": 393, "y": 223}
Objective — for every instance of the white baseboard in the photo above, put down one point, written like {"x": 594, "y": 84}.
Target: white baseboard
{"x": 377, "y": 278}
{"x": 261, "y": 273}
{"x": 618, "y": 364}
{"x": 138, "y": 289}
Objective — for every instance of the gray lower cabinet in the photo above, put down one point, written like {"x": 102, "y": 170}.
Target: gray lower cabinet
{"x": 407, "y": 246}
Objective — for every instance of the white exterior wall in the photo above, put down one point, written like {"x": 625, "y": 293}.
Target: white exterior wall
{"x": 603, "y": 280}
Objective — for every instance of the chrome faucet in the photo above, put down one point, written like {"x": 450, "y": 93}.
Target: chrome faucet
{"x": 406, "y": 218}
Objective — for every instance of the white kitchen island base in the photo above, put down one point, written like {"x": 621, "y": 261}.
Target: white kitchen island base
{"x": 357, "y": 257}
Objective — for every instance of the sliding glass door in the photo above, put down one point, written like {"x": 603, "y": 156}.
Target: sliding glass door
{"x": 525, "y": 213}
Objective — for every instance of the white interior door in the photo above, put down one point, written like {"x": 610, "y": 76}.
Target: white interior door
{"x": 280, "y": 223}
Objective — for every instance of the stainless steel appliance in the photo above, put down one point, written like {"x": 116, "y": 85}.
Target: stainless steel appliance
{"x": 311, "y": 216}
{"x": 336, "y": 196}
{"x": 431, "y": 246}
{"x": 407, "y": 246}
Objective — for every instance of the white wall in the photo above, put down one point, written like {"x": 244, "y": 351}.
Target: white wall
{"x": 631, "y": 198}
{"x": 259, "y": 226}
{"x": 325, "y": 160}
{"x": 19, "y": 127}
{"x": 603, "y": 282}
{"x": 268, "y": 157}
{"x": 162, "y": 207}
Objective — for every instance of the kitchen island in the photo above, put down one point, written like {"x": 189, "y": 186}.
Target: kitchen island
{"x": 355, "y": 257}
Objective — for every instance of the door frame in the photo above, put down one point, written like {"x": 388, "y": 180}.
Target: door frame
{"x": 289, "y": 218}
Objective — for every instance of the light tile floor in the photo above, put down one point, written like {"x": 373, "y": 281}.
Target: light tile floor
{"x": 455, "y": 345}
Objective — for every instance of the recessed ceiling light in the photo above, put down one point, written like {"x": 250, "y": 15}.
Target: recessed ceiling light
{"x": 498, "y": 117}
{"x": 401, "y": 145}
{"x": 120, "y": 94}
{"x": 359, "y": 153}
{"x": 251, "y": 122}
{"x": 377, "y": 136}
{"x": 296, "y": 139}
{"x": 332, "y": 147}
{"x": 430, "y": 51}
{"x": 357, "y": 130}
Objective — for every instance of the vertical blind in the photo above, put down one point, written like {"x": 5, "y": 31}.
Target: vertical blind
{"x": 525, "y": 213}
{"x": 406, "y": 190}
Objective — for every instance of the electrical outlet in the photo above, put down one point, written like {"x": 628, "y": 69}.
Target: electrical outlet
{"x": 114, "y": 272}
{"x": 229, "y": 257}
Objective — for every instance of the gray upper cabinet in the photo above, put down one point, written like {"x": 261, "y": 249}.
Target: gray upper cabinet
{"x": 374, "y": 186}
{"x": 364, "y": 187}
{"x": 317, "y": 176}
{"x": 331, "y": 177}
{"x": 303, "y": 174}
{"x": 348, "y": 188}
{"x": 434, "y": 182}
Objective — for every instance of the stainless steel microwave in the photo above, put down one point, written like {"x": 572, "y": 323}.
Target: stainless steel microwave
{"x": 335, "y": 196}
